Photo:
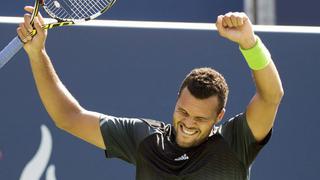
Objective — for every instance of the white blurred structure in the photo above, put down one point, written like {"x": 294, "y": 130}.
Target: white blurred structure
{"x": 261, "y": 11}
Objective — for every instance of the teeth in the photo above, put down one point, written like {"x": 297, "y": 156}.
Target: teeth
{"x": 186, "y": 131}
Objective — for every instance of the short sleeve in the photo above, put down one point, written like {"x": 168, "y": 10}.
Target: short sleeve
{"x": 240, "y": 138}
{"x": 122, "y": 136}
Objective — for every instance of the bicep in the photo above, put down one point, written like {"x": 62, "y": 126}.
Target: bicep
{"x": 260, "y": 116}
{"x": 86, "y": 126}
{"x": 262, "y": 109}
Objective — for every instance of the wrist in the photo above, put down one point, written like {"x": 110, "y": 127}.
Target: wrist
{"x": 36, "y": 52}
{"x": 249, "y": 42}
{"x": 258, "y": 56}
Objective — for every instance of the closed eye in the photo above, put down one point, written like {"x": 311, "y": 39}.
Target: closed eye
{"x": 201, "y": 119}
{"x": 182, "y": 112}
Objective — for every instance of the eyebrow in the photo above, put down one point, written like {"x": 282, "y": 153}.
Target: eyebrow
{"x": 199, "y": 117}
{"x": 181, "y": 109}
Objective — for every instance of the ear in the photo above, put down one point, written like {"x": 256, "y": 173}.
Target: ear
{"x": 220, "y": 115}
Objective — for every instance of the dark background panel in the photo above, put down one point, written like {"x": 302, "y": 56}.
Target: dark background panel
{"x": 295, "y": 12}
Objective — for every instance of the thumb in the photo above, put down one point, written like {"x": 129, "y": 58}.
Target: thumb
{"x": 38, "y": 26}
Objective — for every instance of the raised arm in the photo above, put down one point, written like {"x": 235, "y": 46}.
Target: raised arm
{"x": 63, "y": 108}
{"x": 262, "y": 109}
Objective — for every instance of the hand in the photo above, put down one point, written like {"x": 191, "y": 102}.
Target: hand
{"x": 37, "y": 42}
{"x": 236, "y": 27}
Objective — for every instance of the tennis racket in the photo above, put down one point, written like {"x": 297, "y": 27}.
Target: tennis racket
{"x": 65, "y": 12}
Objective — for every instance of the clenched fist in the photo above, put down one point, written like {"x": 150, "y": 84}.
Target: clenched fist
{"x": 236, "y": 26}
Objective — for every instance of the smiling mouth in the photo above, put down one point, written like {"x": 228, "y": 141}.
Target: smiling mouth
{"x": 187, "y": 131}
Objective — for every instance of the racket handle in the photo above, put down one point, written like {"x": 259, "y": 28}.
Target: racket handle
{"x": 10, "y": 50}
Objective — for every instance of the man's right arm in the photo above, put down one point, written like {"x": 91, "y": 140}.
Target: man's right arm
{"x": 62, "y": 107}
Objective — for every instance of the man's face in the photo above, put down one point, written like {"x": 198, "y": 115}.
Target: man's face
{"x": 193, "y": 118}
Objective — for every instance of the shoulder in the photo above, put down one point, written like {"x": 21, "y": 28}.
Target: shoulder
{"x": 237, "y": 120}
{"x": 156, "y": 126}
{"x": 142, "y": 125}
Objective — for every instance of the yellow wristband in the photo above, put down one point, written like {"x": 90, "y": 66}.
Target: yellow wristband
{"x": 257, "y": 57}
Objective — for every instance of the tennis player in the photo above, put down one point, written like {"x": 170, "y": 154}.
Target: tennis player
{"x": 192, "y": 147}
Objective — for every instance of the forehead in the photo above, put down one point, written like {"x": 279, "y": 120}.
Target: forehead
{"x": 191, "y": 104}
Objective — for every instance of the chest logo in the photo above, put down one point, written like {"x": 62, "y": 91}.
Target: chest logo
{"x": 182, "y": 158}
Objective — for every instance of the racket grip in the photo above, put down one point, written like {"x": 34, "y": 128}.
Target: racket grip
{"x": 10, "y": 50}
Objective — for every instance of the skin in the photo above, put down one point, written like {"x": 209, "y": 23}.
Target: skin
{"x": 62, "y": 107}
{"x": 194, "y": 118}
{"x": 262, "y": 109}
{"x": 70, "y": 116}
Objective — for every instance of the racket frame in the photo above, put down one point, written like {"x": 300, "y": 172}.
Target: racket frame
{"x": 66, "y": 21}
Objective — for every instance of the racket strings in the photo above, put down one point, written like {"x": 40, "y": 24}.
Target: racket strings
{"x": 55, "y": 9}
{"x": 82, "y": 8}
{"x": 75, "y": 9}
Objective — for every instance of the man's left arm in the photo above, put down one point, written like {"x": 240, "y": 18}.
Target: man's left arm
{"x": 262, "y": 109}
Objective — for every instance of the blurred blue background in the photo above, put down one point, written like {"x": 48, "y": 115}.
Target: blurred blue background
{"x": 137, "y": 72}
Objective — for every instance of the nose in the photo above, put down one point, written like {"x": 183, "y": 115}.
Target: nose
{"x": 189, "y": 122}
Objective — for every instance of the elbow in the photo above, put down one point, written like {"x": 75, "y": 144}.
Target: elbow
{"x": 62, "y": 123}
{"x": 273, "y": 97}
{"x": 66, "y": 121}
{"x": 278, "y": 96}
{"x": 280, "y": 93}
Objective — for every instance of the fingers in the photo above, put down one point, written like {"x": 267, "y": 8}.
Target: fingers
{"x": 30, "y": 9}
{"x": 21, "y": 35}
{"x": 24, "y": 30}
{"x": 27, "y": 20}
{"x": 233, "y": 19}
{"x": 39, "y": 17}
{"x": 220, "y": 25}
{"x": 236, "y": 27}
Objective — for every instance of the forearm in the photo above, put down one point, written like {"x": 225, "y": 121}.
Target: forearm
{"x": 268, "y": 84}
{"x": 59, "y": 103}
{"x": 265, "y": 74}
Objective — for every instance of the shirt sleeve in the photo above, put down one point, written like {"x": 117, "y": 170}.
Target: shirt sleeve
{"x": 240, "y": 138}
{"x": 122, "y": 136}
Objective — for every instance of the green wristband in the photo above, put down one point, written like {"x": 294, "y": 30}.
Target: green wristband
{"x": 257, "y": 57}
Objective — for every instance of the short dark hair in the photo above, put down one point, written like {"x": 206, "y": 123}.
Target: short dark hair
{"x": 204, "y": 83}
